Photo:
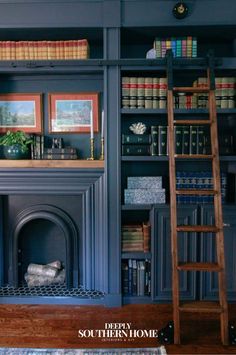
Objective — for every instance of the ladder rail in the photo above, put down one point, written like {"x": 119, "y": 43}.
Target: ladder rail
{"x": 173, "y": 203}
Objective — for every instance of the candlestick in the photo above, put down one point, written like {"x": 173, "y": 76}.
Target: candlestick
{"x": 102, "y": 124}
{"x": 102, "y": 149}
{"x": 91, "y": 149}
{"x": 91, "y": 125}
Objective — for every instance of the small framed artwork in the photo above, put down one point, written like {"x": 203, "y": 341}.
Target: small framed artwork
{"x": 73, "y": 113}
{"x": 21, "y": 112}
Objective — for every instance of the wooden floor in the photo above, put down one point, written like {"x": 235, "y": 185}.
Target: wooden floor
{"x": 58, "y": 326}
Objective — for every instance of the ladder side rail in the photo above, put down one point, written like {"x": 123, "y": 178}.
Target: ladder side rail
{"x": 217, "y": 201}
{"x": 173, "y": 204}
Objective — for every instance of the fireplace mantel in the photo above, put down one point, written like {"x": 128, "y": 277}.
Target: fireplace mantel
{"x": 88, "y": 182}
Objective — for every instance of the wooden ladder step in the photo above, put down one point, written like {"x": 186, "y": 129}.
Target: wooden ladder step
{"x": 194, "y": 156}
{"x": 191, "y": 89}
{"x": 197, "y": 229}
{"x": 201, "y": 307}
{"x": 196, "y": 192}
{"x": 192, "y": 122}
{"x": 199, "y": 267}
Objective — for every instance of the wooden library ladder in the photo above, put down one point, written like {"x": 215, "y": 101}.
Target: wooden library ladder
{"x": 220, "y": 307}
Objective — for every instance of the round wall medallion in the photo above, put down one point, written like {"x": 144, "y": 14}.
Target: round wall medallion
{"x": 180, "y": 10}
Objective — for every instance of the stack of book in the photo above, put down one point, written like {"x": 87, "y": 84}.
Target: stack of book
{"x": 144, "y": 190}
{"x": 144, "y": 92}
{"x": 136, "y": 277}
{"x": 37, "y": 147}
{"x": 35, "y": 50}
{"x": 198, "y": 180}
{"x": 68, "y": 153}
{"x": 136, "y": 237}
{"x": 136, "y": 144}
{"x": 185, "y": 47}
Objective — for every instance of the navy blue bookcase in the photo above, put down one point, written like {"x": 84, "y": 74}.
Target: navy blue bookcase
{"x": 119, "y": 32}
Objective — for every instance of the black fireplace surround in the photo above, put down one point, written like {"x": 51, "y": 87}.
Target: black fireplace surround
{"x": 54, "y": 214}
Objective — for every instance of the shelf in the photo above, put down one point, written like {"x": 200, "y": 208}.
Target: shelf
{"x": 136, "y": 207}
{"x": 192, "y": 111}
{"x": 79, "y": 164}
{"x": 51, "y": 66}
{"x": 136, "y": 255}
{"x": 229, "y": 158}
{"x": 178, "y": 63}
{"x": 144, "y": 158}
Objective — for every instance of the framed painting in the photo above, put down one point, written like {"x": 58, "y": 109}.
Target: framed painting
{"x": 21, "y": 112}
{"x": 73, "y": 113}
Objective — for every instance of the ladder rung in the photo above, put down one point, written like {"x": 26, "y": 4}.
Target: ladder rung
{"x": 199, "y": 267}
{"x": 194, "y": 156}
{"x": 192, "y": 122}
{"x": 212, "y": 229}
{"x": 196, "y": 192}
{"x": 201, "y": 307}
{"x": 190, "y": 89}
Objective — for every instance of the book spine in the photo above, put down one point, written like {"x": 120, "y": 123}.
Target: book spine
{"x": 60, "y": 150}
{"x": 193, "y": 140}
{"x": 60, "y": 156}
{"x": 133, "y": 92}
{"x": 136, "y": 149}
{"x": 185, "y": 139}
{"x": 136, "y": 139}
{"x": 140, "y": 92}
{"x": 178, "y": 139}
{"x": 162, "y": 140}
{"x": 201, "y": 140}
{"x": 125, "y": 92}
{"x": 155, "y": 102}
{"x": 146, "y": 236}
{"x": 163, "y": 93}
{"x": 154, "y": 138}
{"x": 148, "y": 92}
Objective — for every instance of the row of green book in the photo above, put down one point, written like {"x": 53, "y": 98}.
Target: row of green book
{"x": 136, "y": 237}
{"x": 188, "y": 140}
{"x": 136, "y": 277}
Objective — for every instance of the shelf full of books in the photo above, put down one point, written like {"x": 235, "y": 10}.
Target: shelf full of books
{"x": 151, "y": 93}
{"x": 44, "y": 50}
{"x": 136, "y": 277}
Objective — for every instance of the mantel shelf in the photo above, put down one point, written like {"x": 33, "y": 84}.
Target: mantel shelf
{"x": 79, "y": 164}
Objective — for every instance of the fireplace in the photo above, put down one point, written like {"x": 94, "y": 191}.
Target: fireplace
{"x": 41, "y": 234}
{"x": 53, "y": 215}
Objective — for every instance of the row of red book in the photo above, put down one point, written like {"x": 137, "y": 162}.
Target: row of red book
{"x": 44, "y": 50}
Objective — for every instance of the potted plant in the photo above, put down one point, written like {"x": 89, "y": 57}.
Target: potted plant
{"x": 16, "y": 145}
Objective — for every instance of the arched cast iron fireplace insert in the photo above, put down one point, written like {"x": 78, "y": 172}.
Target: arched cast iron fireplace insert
{"x": 63, "y": 230}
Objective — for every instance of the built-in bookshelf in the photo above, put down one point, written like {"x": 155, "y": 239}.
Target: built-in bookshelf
{"x": 143, "y": 99}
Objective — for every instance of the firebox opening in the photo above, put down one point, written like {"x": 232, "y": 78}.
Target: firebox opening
{"x": 40, "y": 242}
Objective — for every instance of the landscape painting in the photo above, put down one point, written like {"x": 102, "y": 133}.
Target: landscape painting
{"x": 73, "y": 112}
{"x": 20, "y": 112}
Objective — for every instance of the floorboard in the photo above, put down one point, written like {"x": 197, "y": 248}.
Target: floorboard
{"x": 57, "y": 327}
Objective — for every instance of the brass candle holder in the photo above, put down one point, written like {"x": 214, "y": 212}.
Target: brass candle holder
{"x": 91, "y": 149}
{"x": 102, "y": 149}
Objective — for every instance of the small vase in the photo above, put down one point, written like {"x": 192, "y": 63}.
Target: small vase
{"x": 15, "y": 152}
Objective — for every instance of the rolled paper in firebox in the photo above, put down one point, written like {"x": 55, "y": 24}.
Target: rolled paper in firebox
{"x": 56, "y": 264}
{"x": 44, "y": 270}
{"x": 42, "y": 280}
